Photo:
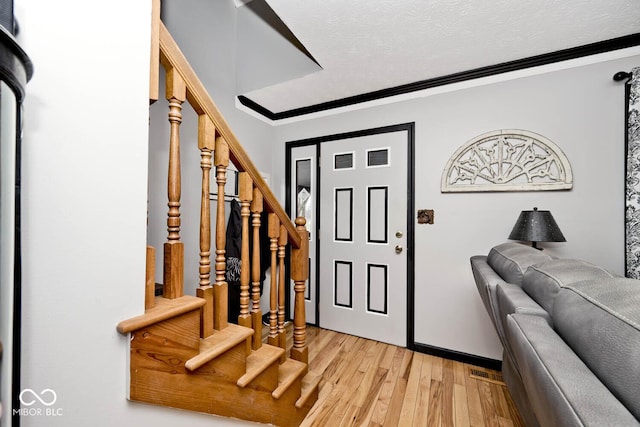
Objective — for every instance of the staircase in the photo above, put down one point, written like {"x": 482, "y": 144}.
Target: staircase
{"x": 183, "y": 351}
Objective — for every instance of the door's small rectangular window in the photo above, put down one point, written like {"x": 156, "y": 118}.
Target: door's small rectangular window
{"x": 343, "y": 161}
{"x": 379, "y": 157}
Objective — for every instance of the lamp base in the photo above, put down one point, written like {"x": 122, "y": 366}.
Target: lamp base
{"x": 535, "y": 246}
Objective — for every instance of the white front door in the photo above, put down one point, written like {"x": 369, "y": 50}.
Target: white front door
{"x": 363, "y": 236}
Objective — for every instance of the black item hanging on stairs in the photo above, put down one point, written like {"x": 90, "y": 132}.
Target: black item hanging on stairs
{"x": 233, "y": 250}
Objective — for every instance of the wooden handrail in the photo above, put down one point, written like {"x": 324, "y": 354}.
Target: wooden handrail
{"x": 172, "y": 57}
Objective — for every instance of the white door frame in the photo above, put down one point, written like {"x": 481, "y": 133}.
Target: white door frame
{"x": 409, "y": 128}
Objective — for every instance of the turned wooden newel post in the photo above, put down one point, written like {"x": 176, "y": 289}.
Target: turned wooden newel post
{"x": 206, "y": 144}
{"x": 299, "y": 275}
{"x": 174, "y": 249}
{"x": 245, "y": 191}
{"x": 256, "y": 312}
{"x": 274, "y": 234}
{"x": 220, "y": 292}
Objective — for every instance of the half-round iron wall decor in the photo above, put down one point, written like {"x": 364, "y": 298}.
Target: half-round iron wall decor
{"x": 507, "y": 160}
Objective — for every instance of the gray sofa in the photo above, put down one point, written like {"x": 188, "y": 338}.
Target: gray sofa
{"x": 571, "y": 336}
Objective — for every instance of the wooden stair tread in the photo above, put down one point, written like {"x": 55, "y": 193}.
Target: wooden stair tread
{"x": 258, "y": 361}
{"x": 310, "y": 383}
{"x": 290, "y": 371}
{"x": 217, "y": 344}
{"x": 164, "y": 309}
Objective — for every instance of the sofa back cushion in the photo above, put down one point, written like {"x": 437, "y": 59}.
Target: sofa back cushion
{"x": 543, "y": 281}
{"x": 510, "y": 260}
{"x": 600, "y": 321}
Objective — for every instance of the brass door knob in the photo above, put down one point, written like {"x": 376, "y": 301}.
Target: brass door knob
{"x": 398, "y": 249}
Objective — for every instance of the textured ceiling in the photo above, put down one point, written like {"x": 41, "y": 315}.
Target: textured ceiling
{"x": 368, "y": 45}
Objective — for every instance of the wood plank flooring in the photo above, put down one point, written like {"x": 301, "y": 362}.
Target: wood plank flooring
{"x": 368, "y": 383}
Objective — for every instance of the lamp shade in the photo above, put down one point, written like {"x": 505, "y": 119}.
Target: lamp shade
{"x": 536, "y": 226}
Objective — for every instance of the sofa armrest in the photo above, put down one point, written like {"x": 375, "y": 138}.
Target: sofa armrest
{"x": 513, "y": 299}
{"x": 487, "y": 281}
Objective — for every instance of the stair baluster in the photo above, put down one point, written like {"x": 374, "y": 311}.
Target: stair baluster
{"x": 256, "y": 312}
{"x": 274, "y": 234}
{"x": 206, "y": 144}
{"x": 245, "y": 191}
{"x": 282, "y": 333}
{"x": 176, "y": 93}
{"x": 220, "y": 293}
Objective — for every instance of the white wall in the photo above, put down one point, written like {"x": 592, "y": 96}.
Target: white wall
{"x": 580, "y": 109}
{"x": 84, "y": 208}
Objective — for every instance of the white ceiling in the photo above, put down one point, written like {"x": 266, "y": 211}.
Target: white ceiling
{"x": 368, "y": 45}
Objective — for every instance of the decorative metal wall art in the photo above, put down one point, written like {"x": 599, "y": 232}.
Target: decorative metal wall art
{"x": 507, "y": 160}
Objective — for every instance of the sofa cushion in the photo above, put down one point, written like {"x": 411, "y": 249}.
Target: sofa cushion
{"x": 510, "y": 260}
{"x": 543, "y": 281}
{"x": 562, "y": 390}
{"x": 600, "y": 320}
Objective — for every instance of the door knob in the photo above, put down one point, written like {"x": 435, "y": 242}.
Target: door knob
{"x": 399, "y": 234}
{"x": 398, "y": 249}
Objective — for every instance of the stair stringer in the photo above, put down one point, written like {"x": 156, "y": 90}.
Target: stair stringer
{"x": 158, "y": 375}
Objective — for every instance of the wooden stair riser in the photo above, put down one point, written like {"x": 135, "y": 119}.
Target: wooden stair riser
{"x": 229, "y": 366}
{"x": 202, "y": 392}
{"x": 167, "y": 345}
{"x": 179, "y": 334}
{"x": 267, "y": 381}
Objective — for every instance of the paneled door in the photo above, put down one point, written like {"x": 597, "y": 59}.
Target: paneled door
{"x": 363, "y": 236}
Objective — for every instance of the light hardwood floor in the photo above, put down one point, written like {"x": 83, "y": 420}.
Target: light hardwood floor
{"x": 368, "y": 383}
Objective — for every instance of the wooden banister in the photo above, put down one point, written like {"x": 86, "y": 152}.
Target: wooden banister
{"x": 218, "y": 146}
{"x": 154, "y": 68}
{"x": 172, "y": 58}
